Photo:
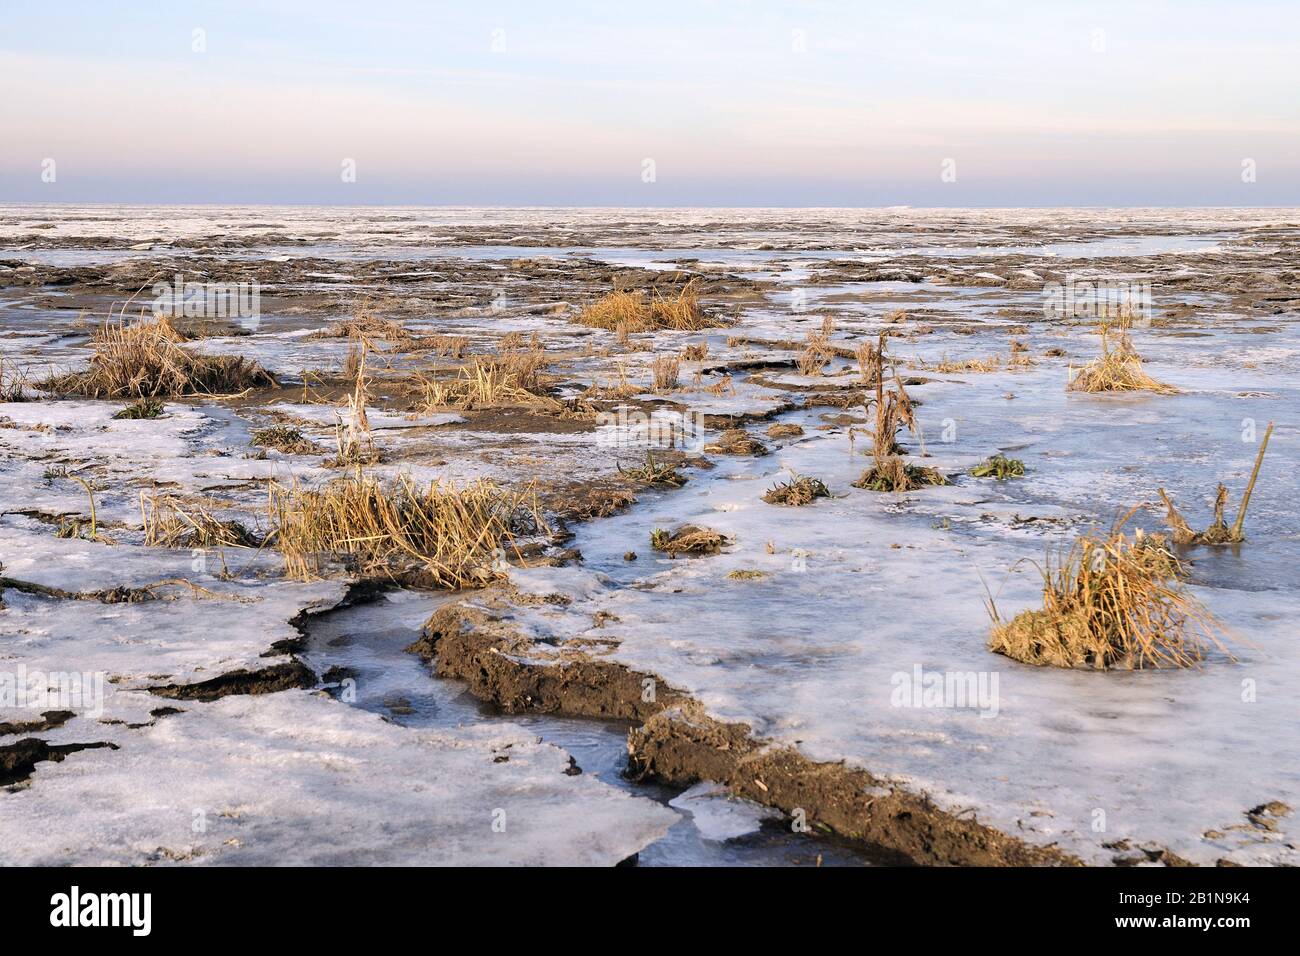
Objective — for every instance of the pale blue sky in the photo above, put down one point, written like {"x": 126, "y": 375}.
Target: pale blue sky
{"x": 736, "y": 103}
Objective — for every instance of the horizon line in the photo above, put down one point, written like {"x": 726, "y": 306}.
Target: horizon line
{"x": 392, "y": 205}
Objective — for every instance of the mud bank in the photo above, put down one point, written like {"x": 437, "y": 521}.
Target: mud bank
{"x": 267, "y": 680}
{"x": 18, "y": 760}
{"x": 679, "y": 744}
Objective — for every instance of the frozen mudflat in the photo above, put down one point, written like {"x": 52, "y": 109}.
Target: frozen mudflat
{"x": 812, "y": 626}
{"x": 293, "y": 779}
{"x": 283, "y": 778}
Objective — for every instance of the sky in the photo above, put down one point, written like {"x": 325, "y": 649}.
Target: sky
{"x": 700, "y": 103}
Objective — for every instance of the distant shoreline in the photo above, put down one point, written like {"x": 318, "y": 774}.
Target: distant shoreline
{"x": 510, "y": 206}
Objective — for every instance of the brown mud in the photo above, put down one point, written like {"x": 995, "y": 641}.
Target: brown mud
{"x": 49, "y": 720}
{"x": 19, "y": 759}
{"x": 267, "y": 680}
{"x": 678, "y": 744}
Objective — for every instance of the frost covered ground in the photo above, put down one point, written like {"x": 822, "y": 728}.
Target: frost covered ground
{"x": 855, "y": 595}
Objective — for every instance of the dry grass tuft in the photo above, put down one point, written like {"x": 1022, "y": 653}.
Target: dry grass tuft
{"x": 1218, "y": 532}
{"x": 723, "y": 386}
{"x": 285, "y": 438}
{"x": 814, "y": 356}
{"x": 893, "y": 473}
{"x": 797, "y": 491}
{"x": 441, "y": 535}
{"x": 524, "y": 367}
{"x": 625, "y": 312}
{"x": 622, "y": 387}
{"x": 688, "y": 539}
{"x": 736, "y": 441}
{"x": 143, "y": 360}
{"x": 633, "y": 312}
{"x": 1118, "y": 369}
{"x": 75, "y": 527}
{"x": 893, "y": 411}
{"x": 784, "y": 430}
{"x": 1019, "y": 360}
{"x": 654, "y": 473}
{"x": 695, "y": 352}
{"x": 869, "y": 365}
{"x": 169, "y": 524}
{"x": 817, "y": 349}
{"x": 366, "y": 325}
{"x": 665, "y": 370}
{"x": 512, "y": 379}
{"x": 947, "y": 366}
{"x": 13, "y": 383}
{"x": 1110, "y": 602}
{"x": 446, "y": 346}
{"x": 353, "y": 439}
{"x": 682, "y": 313}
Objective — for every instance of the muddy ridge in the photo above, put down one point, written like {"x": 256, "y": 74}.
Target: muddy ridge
{"x": 267, "y": 680}
{"x": 679, "y": 744}
{"x": 49, "y": 720}
{"x": 17, "y": 760}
